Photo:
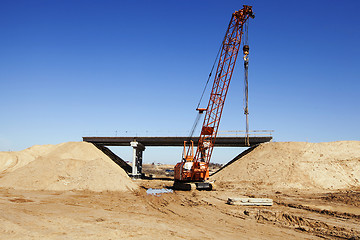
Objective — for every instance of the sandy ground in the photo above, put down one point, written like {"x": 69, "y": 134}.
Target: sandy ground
{"x": 178, "y": 215}
{"x": 66, "y": 191}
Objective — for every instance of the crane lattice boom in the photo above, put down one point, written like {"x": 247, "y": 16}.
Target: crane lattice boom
{"x": 229, "y": 52}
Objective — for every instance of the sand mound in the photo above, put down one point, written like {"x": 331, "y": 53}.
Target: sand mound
{"x": 10, "y": 161}
{"x": 66, "y": 166}
{"x": 299, "y": 165}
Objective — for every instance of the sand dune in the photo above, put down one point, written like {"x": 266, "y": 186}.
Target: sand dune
{"x": 297, "y": 165}
{"x": 66, "y": 166}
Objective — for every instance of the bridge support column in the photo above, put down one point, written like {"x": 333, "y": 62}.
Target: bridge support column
{"x": 138, "y": 149}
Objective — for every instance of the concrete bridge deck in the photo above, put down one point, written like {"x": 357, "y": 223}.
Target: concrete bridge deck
{"x": 174, "y": 141}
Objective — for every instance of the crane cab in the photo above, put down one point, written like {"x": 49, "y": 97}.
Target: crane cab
{"x": 188, "y": 169}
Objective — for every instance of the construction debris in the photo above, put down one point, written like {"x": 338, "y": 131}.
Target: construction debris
{"x": 250, "y": 201}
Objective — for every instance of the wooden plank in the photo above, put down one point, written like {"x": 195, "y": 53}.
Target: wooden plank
{"x": 250, "y": 201}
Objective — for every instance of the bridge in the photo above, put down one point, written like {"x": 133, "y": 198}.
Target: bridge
{"x": 140, "y": 143}
{"x": 174, "y": 141}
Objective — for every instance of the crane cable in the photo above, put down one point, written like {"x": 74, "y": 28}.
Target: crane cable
{"x": 197, "y": 119}
{"x": 246, "y": 100}
{"x": 246, "y": 84}
{"x": 207, "y": 82}
{"x": 202, "y": 95}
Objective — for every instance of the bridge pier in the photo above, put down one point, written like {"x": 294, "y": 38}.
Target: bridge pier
{"x": 138, "y": 149}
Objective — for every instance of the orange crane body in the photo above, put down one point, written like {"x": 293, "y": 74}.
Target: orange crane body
{"x": 195, "y": 168}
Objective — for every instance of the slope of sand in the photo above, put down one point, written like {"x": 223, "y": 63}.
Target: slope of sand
{"x": 10, "y": 161}
{"x": 298, "y": 165}
{"x": 66, "y": 166}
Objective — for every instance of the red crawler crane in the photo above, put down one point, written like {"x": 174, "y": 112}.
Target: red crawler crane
{"x": 195, "y": 168}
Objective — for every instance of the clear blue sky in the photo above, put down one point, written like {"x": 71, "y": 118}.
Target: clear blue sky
{"x": 74, "y": 68}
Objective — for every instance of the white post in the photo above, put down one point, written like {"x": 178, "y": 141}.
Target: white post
{"x": 138, "y": 149}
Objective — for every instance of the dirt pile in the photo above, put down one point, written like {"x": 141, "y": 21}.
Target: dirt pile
{"x": 10, "y": 161}
{"x": 66, "y": 166}
{"x": 298, "y": 165}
